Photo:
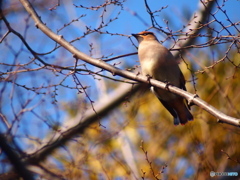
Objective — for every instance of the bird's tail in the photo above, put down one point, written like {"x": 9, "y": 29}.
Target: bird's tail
{"x": 178, "y": 110}
{"x": 184, "y": 116}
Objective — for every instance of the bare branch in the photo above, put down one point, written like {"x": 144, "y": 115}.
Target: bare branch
{"x": 19, "y": 166}
{"x": 156, "y": 176}
{"x": 14, "y": 69}
{"x": 79, "y": 126}
{"x": 101, "y": 64}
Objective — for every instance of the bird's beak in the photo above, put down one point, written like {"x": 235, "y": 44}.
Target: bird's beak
{"x": 139, "y": 38}
{"x": 135, "y": 35}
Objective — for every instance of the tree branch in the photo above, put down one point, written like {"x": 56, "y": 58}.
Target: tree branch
{"x": 13, "y": 157}
{"x": 102, "y": 108}
{"x": 129, "y": 75}
{"x": 80, "y": 124}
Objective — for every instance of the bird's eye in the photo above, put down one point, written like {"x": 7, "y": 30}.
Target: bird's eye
{"x": 145, "y": 34}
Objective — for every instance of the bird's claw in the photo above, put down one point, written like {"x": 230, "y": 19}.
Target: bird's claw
{"x": 190, "y": 101}
{"x": 149, "y": 78}
{"x": 167, "y": 85}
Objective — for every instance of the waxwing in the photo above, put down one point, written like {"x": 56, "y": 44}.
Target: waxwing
{"x": 157, "y": 62}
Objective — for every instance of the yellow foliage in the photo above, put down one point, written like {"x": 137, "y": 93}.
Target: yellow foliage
{"x": 140, "y": 139}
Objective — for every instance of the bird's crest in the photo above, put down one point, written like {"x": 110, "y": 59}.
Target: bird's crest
{"x": 145, "y": 33}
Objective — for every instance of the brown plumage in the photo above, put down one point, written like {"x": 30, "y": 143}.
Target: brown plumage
{"x": 158, "y": 63}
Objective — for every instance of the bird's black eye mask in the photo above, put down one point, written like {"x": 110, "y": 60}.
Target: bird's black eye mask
{"x": 145, "y": 34}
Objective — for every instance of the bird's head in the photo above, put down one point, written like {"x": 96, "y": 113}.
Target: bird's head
{"x": 145, "y": 36}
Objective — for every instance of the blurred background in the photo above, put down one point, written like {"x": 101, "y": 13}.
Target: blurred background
{"x": 136, "y": 139}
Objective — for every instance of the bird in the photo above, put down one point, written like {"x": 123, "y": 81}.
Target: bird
{"x": 157, "y": 62}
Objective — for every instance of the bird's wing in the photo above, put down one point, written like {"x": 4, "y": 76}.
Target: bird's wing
{"x": 182, "y": 86}
{"x": 182, "y": 81}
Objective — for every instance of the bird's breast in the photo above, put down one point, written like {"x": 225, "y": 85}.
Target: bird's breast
{"x": 148, "y": 66}
{"x": 157, "y": 62}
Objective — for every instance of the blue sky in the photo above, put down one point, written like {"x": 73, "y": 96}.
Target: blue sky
{"x": 132, "y": 19}
{"x": 176, "y": 13}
